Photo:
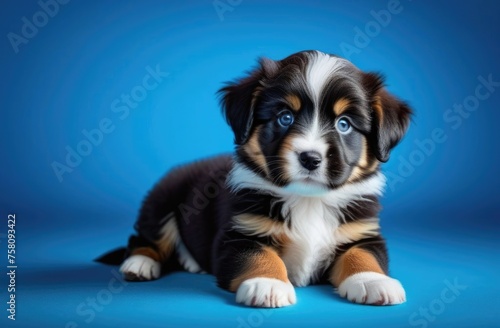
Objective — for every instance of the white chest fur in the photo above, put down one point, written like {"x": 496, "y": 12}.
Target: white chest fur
{"x": 312, "y": 239}
{"x": 314, "y": 220}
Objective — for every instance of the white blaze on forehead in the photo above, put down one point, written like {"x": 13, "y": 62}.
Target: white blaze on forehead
{"x": 319, "y": 71}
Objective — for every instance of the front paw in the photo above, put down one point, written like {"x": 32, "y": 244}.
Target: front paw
{"x": 266, "y": 292}
{"x": 372, "y": 288}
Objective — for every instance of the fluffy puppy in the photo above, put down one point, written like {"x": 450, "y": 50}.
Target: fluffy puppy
{"x": 297, "y": 204}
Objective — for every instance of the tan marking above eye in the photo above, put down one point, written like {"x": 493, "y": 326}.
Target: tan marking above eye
{"x": 294, "y": 102}
{"x": 340, "y": 106}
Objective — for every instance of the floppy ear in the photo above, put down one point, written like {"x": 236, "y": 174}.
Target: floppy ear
{"x": 390, "y": 116}
{"x": 238, "y": 99}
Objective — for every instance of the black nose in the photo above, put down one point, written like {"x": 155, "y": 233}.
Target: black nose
{"x": 311, "y": 160}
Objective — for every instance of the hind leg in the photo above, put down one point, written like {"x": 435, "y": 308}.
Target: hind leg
{"x": 146, "y": 258}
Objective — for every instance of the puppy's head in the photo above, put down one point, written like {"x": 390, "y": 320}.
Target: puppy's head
{"x": 312, "y": 121}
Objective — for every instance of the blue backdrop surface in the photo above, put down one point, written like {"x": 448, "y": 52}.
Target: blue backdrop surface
{"x": 100, "y": 98}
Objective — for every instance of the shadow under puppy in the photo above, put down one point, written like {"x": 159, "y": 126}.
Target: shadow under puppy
{"x": 297, "y": 204}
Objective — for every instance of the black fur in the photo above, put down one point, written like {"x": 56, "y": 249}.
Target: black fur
{"x": 232, "y": 254}
{"x": 388, "y": 130}
{"x": 251, "y": 201}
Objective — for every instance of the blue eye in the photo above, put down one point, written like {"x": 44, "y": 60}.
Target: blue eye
{"x": 343, "y": 126}
{"x": 285, "y": 118}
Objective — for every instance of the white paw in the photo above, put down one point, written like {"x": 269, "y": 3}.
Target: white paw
{"x": 266, "y": 292}
{"x": 372, "y": 288}
{"x": 140, "y": 267}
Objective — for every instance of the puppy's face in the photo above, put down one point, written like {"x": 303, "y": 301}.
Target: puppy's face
{"x": 313, "y": 122}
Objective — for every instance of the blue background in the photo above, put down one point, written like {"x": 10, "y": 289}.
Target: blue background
{"x": 441, "y": 220}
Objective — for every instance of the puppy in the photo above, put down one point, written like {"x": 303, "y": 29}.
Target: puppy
{"x": 298, "y": 202}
